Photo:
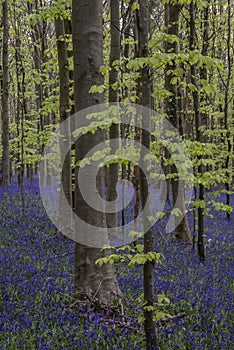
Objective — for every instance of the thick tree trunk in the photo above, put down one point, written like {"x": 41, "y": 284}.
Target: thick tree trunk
{"x": 172, "y": 21}
{"x": 5, "y": 94}
{"x": 87, "y": 47}
{"x": 65, "y": 220}
{"x": 112, "y": 218}
{"x": 151, "y": 341}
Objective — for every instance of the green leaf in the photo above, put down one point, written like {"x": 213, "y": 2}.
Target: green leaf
{"x": 149, "y": 308}
{"x": 163, "y": 298}
{"x": 174, "y": 80}
{"x": 192, "y": 87}
{"x": 176, "y": 211}
{"x": 97, "y": 89}
{"x": 150, "y": 218}
{"x": 115, "y": 86}
{"x": 135, "y": 6}
{"x": 159, "y": 315}
{"x": 160, "y": 214}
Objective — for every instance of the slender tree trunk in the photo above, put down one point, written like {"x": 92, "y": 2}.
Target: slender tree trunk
{"x": 204, "y": 116}
{"x": 87, "y": 47}
{"x": 137, "y": 137}
{"x": 21, "y": 112}
{"x": 112, "y": 218}
{"x": 68, "y": 31}
{"x": 149, "y": 325}
{"x": 196, "y": 103}
{"x": 172, "y": 18}
{"x": 17, "y": 118}
{"x": 37, "y": 37}
{"x": 226, "y": 103}
{"x": 5, "y": 94}
{"x": 126, "y": 15}
{"x": 65, "y": 220}
{"x": 23, "y": 109}
{"x": 167, "y": 167}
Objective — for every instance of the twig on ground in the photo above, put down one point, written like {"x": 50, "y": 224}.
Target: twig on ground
{"x": 166, "y": 320}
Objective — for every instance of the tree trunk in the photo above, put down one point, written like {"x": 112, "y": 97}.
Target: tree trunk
{"x": 65, "y": 195}
{"x": 172, "y": 19}
{"x": 22, "y": 138}
{"x": 151, "y": 341}
{"x": 5, "y": 94}
{"x": 196, "y": 104}
{"x": 226, "y": 104}
{"x": 112, "y": 218}
{"x": 137, "y": 137}
{"x": 38, "y": 58}
{"x": 87, "y": 47}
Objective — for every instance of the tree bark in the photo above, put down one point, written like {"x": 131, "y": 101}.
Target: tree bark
{"x": 196, "y": 104}
{"x": 5, "y": 97}
{"x": 151, "y": 340}
{"x": 226, "y": 104}
{"x": 65, "y": 220}
{"x": 87, "y": 47}
{"x": 112, "y": 218}
{"x": 172, "y": 19}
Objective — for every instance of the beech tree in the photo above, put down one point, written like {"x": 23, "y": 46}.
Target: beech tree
{"x": 226, "y": 105}
{"x": 64, "y": 85}
{"x": 87, "y": 48}
{"x": 172, "y": 11}
{"x": 5, "y": 97}
{"x": 190, "y": 55}
{"x": 197, "y": 114}
{"x": 112, "y": 219}
{"x": 149, "y": 325}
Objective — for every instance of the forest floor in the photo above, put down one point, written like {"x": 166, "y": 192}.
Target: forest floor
{"x": 36, "y": 284}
